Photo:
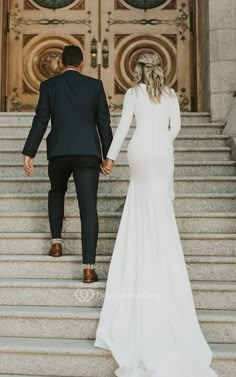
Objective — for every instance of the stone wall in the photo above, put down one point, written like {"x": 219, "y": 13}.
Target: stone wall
{"x": 222, "y": 56}
{"x": 204, "y": 73}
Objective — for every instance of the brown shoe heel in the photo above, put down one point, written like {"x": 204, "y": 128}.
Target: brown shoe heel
{"x": 56, "y": 250}
{"x": 90, "y": 275}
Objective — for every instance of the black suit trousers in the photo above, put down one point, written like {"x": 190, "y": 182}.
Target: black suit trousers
{"x": 85, "y": 170}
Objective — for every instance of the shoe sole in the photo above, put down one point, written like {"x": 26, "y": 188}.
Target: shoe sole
{"x": 90, "y": 281}
{"x": 56, "y": 255}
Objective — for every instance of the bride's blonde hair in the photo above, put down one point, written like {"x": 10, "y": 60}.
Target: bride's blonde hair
{"x": 148, "y": 70}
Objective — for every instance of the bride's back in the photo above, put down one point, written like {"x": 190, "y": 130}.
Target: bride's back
{"x": 156, "y": 109}
{"x": 149, "y": 113}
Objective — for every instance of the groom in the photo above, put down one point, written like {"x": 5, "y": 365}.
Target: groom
{"x": 80, "y": 127}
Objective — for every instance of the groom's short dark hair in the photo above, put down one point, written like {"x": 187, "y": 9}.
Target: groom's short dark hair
{"x": 72, "y": 55}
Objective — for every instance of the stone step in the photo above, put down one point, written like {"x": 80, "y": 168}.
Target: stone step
{"x": 190, "y": 168}
{"x": 211, "y": 268}
{"x": 26, "y": 292}
{"x": 66, "y": 292}
{"x": 25, "y": 118}
{"x": 20, "y": 120}
{"x": 196, "y": 244}
{"x": 72, "y": 357}
{"x": 203, "y": 129}
{"x": 58, "y": 357}
{"x": 116, "y": 185}
{"x": 24, "y": 375}
{"x": 181, "y": 154}
{"x": 114, "y": 202}
{"x": 81, "y": 323}
{"x": 11, "y": 142}
{"x": 213, "y": 128}
{"x": 186, "y": 117}
{"x": 209, "y": 222}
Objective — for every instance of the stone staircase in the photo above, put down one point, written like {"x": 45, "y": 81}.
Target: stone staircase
{"x": 48, "y": 317}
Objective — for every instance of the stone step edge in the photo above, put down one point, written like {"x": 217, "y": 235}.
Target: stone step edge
{"x": 124, "y": 164}
{"x": 29, "y": 375}
{"x": 72, "y": 312}
{"x": 188, "y": 137}
{"x": 84, "y": 347}
{"x": 113, "y": 235}
{"x": 203, "y": 285}
{"x": 176, "y": 149}
{"x": 117, "y": 113}
{"x": 27, "y": 120}
{"x": 185, "y": 123}
{"x": 19, "y": 121}
{"x": 47, "y": 345}
{"x": 123, "y": 179}
{"x": 215, "y": 259}
{"x": 114, "y": 125}
{"x": 122, "y": 196}
{"x": 118, "y": 214}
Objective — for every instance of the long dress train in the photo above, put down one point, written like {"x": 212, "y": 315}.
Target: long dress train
{"x": 148, "y": 320}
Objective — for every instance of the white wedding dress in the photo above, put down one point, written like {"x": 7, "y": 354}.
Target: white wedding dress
{"x": 148, "y": 320}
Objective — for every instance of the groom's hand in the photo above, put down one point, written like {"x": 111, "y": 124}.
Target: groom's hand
{"x": 28, "y": 165}
{"x": 107, "y": 166}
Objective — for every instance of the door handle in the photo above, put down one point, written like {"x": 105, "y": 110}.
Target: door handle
{"x": 99, "y": 53}
{"x": 94, "y": 53}
{"x": 105, "y": 53}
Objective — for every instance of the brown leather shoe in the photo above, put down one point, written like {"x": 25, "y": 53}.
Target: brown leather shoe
{"x": 56, "y": 250}
{"x": 90, "y": 275}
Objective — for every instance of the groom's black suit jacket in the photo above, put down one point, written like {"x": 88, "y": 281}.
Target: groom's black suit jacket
{"x": 78, "y": 110}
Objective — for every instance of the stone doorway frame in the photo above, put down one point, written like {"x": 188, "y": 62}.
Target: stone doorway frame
{"x": 3, "y": 53}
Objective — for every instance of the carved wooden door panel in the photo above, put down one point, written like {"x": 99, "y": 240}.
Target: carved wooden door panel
{"x": 132, "y": 26}
{"x": 111, "y": 34}
{"x": 38, "y": 31}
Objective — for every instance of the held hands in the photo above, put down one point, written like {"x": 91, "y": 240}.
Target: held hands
{"x": 107, "y": 166}
{"x": 28, "y": 165}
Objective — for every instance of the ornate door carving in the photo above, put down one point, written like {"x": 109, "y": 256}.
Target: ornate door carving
{"x": 132, "y": 26}
{"x": 111, "y": 33}
{"x": 39, "y": 29}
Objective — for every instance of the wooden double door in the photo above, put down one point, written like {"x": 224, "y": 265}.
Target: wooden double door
{"x": 111, "y": 33}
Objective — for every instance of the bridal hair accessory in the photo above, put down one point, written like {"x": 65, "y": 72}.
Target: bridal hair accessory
{"x": 149, "y": 59}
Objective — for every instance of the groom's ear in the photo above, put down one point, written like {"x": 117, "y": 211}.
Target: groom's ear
{"x": 81, "y": 66}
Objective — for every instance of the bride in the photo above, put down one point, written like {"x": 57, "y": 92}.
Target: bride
{"x": 148, "y": 320}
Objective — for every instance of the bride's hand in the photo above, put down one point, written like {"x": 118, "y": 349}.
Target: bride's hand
{"x": 107, "y": 166}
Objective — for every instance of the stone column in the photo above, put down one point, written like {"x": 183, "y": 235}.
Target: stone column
{"x": 222, "y": 56}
